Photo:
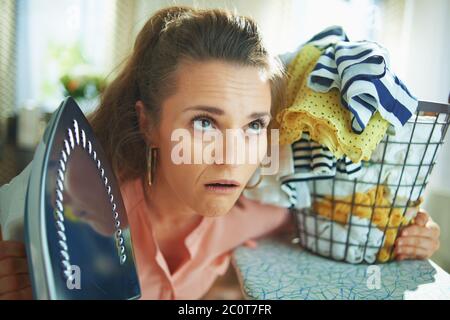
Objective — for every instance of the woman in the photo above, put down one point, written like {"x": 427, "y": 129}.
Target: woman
{"x": 202, "y": 71}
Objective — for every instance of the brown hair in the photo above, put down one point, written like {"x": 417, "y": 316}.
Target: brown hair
{"x": 170, "y": 35}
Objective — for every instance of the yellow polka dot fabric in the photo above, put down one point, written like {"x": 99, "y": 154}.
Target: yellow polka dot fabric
{"x": 365, "y": 204}
{"x": 322, "y": 115}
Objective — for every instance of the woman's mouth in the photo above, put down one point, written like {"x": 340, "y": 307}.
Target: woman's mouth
{"x": 222, "y": 186}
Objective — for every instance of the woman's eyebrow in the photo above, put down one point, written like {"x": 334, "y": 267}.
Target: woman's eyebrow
{"x": 209, "y": 109}
{"x": 218, "y": 111}
{"x": 256, "y": 115}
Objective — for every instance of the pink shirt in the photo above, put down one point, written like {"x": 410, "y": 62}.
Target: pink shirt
{"x": 209, "y": 245}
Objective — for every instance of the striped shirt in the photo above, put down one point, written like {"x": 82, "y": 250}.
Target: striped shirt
{"x": 361, "y": 72}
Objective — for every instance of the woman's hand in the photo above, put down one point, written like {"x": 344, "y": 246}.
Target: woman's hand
{"x": 14, "y": 278}
{"x": 419, "y": 240}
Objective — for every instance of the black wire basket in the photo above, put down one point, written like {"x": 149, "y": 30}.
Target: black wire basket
{"x": 358, "y": 220}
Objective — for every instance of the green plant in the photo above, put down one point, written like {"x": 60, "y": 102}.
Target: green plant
{"x": 83, "y": 86}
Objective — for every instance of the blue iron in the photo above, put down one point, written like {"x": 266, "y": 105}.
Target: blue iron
{"x": 77, "y": 235}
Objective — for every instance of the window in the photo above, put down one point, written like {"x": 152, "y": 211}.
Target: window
{"x": 61, "y": 38}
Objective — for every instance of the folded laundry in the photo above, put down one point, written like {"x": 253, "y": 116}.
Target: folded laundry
{"x": 322, "y": 116}
{"x": 361, "y": 72}
{"x": 374, "y": 206}
{"x": 354, "y": 242}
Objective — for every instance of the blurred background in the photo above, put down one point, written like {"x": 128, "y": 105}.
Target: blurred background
{"x": 53, "y": 48}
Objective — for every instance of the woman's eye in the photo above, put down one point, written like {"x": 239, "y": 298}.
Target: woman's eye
{"x": 202, "y": 124}
{"x": 255, "y": 127}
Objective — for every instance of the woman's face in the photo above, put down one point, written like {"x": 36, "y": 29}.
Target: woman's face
{"x": 211, "y": 98}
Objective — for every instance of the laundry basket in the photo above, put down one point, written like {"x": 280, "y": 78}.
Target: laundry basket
{"x": 358, "y": 220}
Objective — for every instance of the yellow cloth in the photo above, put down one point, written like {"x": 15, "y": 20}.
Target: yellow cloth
{"x": 322, "y": 115}
{"x": 362, "y": 208}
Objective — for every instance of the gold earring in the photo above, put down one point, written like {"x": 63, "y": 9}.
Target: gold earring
{"x": 256, "y": 184}
{"x": 151, "y": 164}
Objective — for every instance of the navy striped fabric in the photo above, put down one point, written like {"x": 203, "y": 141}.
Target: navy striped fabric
{"x": 315, "y": 161}
{"x": 321, "y": 40}
{"x": 328, "y": 36}
{"x": 361, "y": 72}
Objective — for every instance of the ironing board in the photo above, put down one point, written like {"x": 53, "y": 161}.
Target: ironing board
{"x": 278, "y": 269}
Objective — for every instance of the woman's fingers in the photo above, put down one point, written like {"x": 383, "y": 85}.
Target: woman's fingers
{"x": 11, "y": 266}
{"x": 14, "y": 278}
{"x": 420, "y": 231}
{"x": 23, "y": 294}
{"x": 436, "y": 230}
{"x": 413, "y": 241}
{"x": 11, "y": 249}
{"x": 407, "y": 252}
{"x": 14, "y": 283}
{"x": 419, "y": 242}
{"x": 421, "y": 218}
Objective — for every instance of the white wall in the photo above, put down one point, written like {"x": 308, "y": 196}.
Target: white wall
{"x": 417, "y": 36}
{"x": 429, "y": 76}
{"x": 284, "y": 24}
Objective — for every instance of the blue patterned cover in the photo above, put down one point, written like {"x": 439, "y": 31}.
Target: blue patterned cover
{"x": 277, "y": 269}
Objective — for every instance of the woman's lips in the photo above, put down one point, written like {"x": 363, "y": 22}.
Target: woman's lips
{"x": 222, "y": 186}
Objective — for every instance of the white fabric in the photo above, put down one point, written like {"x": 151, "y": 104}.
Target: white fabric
{"x": 396, "y": 153}
{"x": 357, "y": 236}
{"x": 12, "y": 206}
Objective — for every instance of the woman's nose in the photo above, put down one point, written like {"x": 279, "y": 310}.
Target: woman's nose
{"x": 236, "y": 148}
